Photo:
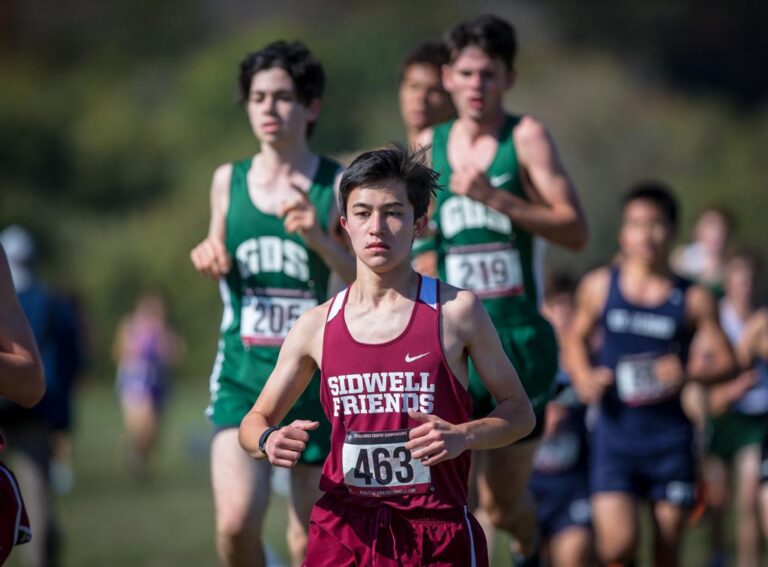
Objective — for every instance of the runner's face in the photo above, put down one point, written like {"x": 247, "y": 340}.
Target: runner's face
{"x": 423, "y": 101}
{"x": 381, "y": 226}
{"x": 477, "y": 83}
{"x": 275, "y": 114}
{"x": 739, "y": 280}
{"x": 646, "y": 234}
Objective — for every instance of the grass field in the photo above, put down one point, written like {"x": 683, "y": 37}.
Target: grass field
{"x": 110, "y": 520}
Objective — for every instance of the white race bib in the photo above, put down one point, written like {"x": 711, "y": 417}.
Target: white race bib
{"x": 637, "y": 385}
{"x": 266, "y": 318}
{"x": 489, "y": 270}
{"x": 378, "y": 464}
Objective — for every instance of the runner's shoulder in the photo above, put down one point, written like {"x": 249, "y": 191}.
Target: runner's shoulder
{"x": 594, "y": 286}
{"x": 529, "y": 129}
{"x": 222, "y": 176}
{"x": 223, "y": 173}
{"x": 460, "y": 307}
{"x": 597, "y": 280}
{"x": 312, "y": 321}
{"x": 425, "y": 137}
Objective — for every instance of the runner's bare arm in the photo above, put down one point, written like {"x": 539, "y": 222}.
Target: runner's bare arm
{"x": 425, "y": 142}
{"x": 721, "y": 362}
{"x": 21, "y": 372}
{"x": 513, "y": 417}
{"x": 754, "y": 342}
{"x": 720, "y": 397}
{"x": 210, "y": 257}
{"x": 300, "y": 216}
{"x": 437, "y": 440}
{"x": 591, "y": 295}
{"x": 552, "y": 209}
{"x": 297, "y": 362}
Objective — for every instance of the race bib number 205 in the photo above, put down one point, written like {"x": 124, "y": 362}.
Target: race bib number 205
{"x": 378, "y": 464}
{"x": 268, "y": 315}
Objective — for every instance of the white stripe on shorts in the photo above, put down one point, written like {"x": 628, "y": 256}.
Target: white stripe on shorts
{"x": 473, "y": 559}
{"x": 19, "y": 504}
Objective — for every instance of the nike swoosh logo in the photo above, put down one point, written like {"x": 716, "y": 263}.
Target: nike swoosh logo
{"x": 409, "y": 358}
{"x": 498, "y": 180}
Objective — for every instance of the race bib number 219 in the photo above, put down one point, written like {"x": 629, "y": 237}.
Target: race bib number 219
{"x": 488, "y": 270}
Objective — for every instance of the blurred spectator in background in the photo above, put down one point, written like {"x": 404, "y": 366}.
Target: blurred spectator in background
{"x": 29, "y": 432}
{"x": 146, "y": 348}
{"x": 423, "y": 100}
{"x": 22, "y": 381}
{"x": 739, "y": 412}
{"x": 703, "y": 259}
{"x": 560, "y": 479}
{"x": 71, "y": 360}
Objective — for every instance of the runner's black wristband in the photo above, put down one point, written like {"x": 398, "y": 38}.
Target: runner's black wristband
{"x": 263, "y": 439}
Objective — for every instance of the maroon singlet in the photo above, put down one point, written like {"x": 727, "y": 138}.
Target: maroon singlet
{"x": 366, "y": 391}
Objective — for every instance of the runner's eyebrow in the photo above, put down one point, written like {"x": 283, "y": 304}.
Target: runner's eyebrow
{"x": 390, "y": 205}
{"x": 279, "y": 92}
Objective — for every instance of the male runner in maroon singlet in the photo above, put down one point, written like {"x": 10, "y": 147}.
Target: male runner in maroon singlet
{"x": 393, "y": 350}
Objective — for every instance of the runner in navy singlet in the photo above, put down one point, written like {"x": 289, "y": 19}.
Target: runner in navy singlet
{"x": 642, "y": 443}
{"x": 393, "y": 352}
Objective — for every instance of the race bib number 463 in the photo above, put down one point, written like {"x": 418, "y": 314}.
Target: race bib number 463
{"x": 637, "y": 384}
{"x": 268, "y": 315}
{"x": 378, "y": 464}
{"x": 489, "y": 270}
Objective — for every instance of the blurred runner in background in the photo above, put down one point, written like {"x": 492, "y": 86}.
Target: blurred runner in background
{"x": 642, "y": 442}
{"x": 146, "y": 349}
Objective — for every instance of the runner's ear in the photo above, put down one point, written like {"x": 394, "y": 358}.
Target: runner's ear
{"x": 420, "y": 225}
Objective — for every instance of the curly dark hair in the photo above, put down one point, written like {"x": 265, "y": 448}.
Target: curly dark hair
{"x": 295, "y": 59}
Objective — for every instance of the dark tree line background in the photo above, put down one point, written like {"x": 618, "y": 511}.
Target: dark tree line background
{"x": 115, "y": 114}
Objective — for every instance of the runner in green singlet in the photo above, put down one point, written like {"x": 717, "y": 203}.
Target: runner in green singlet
{"x": 738, "y": 421}
{"x": 507, "y": 193}
{"x": 268, "y": 245}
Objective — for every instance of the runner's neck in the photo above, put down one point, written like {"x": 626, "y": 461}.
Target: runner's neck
{"x": 287, "y": 159}
{"x": 640, "y": 270}
{"x": 474, "y": 129}
{"x": 376, "y": 288}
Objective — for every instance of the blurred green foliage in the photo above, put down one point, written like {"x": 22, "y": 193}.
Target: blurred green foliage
{"x": 108, "y": 141}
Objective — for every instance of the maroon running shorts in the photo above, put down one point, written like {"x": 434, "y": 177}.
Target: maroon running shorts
{"x": 341, "y": 535}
